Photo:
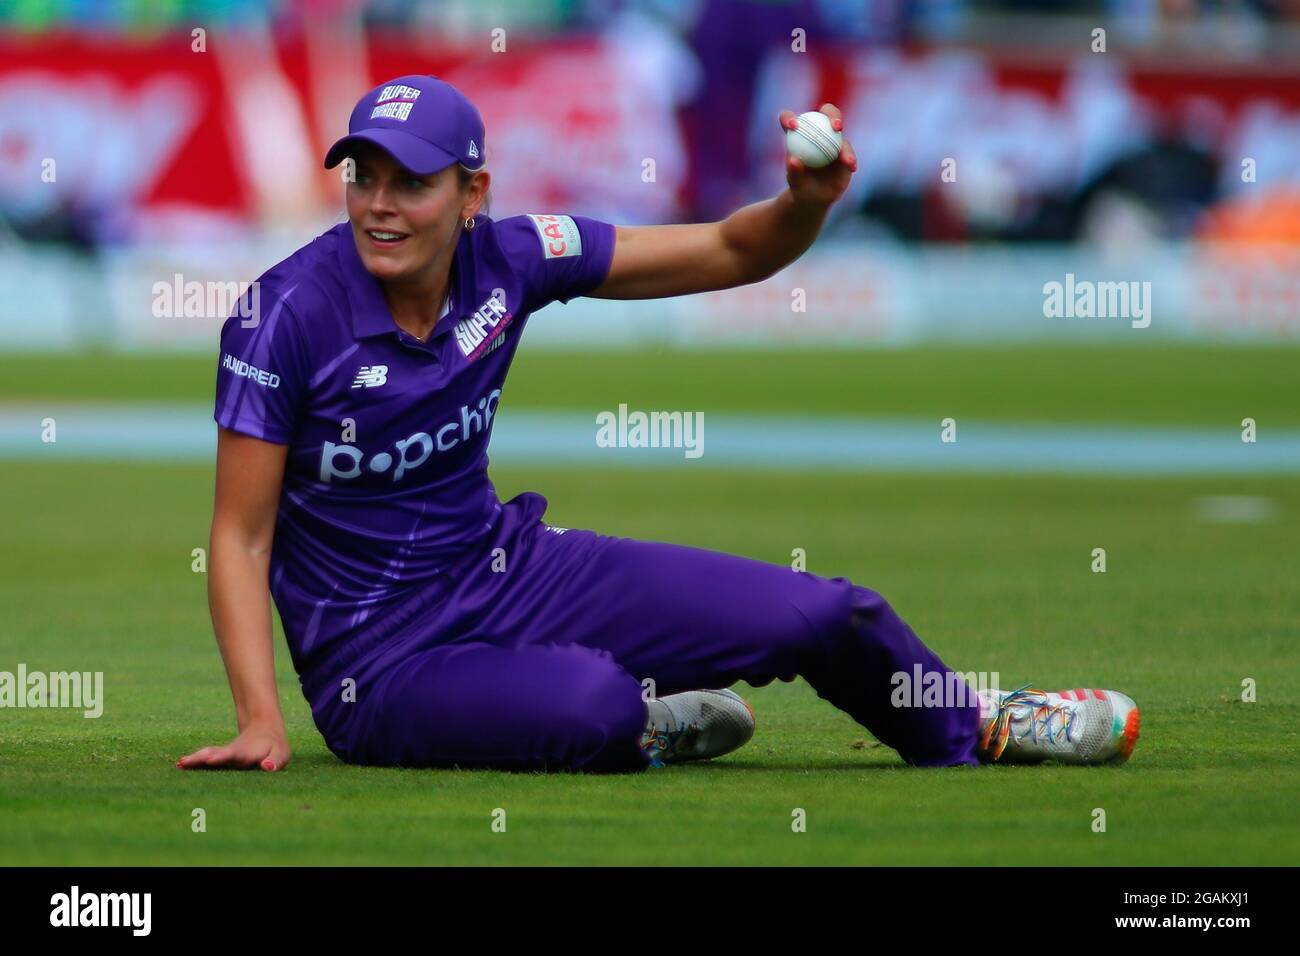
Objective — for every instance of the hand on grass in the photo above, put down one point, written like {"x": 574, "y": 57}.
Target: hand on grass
{"x": 261, "y": 746}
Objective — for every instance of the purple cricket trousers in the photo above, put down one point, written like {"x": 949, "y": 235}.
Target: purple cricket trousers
{"x": 530, "y": 654}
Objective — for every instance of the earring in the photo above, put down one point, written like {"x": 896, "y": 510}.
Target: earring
{"x": 469, "y": 223}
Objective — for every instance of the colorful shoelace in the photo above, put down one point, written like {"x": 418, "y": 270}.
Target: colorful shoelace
{"x": 998, "y": 731}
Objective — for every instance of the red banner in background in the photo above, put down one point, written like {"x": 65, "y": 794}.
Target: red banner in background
{"x": 154, "y": 130}
{"x": 152, "y": 138}
{"x": 1042, "y": 128}
{"x": 584, "y": 125}
{"x": 128, "y": 126}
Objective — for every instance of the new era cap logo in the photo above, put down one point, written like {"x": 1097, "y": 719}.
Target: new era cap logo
{"x": 473, "y": 150}
{"x": 395, "y": 102}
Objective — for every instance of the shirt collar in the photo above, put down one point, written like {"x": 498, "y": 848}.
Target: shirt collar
{"x": 370, "y": 313}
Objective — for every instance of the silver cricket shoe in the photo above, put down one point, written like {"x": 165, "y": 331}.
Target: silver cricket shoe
{"x": 1082, "y": 726}
{"x": 696, "y": 725}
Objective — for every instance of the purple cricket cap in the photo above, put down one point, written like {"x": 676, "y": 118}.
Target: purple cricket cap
{"x": 424, "y": 123}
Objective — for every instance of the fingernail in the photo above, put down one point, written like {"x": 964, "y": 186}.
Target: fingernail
{"x": 837, "y": 124}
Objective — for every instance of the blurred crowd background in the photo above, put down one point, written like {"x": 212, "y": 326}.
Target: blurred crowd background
{"x": 169, "y": 125}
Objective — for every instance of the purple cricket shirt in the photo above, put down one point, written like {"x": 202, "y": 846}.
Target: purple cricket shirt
{"x": 386, "y": 480}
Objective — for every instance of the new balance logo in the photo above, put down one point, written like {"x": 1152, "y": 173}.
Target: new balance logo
{"x": 371, "y": 376}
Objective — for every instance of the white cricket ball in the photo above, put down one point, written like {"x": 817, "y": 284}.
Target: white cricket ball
{"x": 814, "y": 142}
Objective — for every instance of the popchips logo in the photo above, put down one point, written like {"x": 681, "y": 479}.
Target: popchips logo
{"x": 410, "y": 452}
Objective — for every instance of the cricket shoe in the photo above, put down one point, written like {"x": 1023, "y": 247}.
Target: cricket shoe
{"x": 1073, "y": 726}
{"x": 696, "y": 725}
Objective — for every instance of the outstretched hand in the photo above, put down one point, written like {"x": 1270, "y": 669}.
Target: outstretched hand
{"x": 826, "y": 184}
{"x": 256, "y": 746}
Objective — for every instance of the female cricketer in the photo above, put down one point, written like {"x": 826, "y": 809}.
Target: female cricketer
{"x": 432, "y": 625}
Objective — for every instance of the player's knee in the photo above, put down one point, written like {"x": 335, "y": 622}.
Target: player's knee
{"x": 598, "y": 722}
{"x": 843, "y": 615}
{"x": 869, "y": 610}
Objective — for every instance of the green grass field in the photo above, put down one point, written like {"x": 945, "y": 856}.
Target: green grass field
{"x": 1157, "y": 384}
{"x": 992, "y": 571}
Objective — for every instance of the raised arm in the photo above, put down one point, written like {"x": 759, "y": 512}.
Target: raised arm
{"x": 654, "y": 262}
{"x": 249, "y": 475}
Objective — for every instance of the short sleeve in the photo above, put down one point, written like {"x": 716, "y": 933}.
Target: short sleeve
{"x": 263, "y": 369}
{"x": 561, "y": 257}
